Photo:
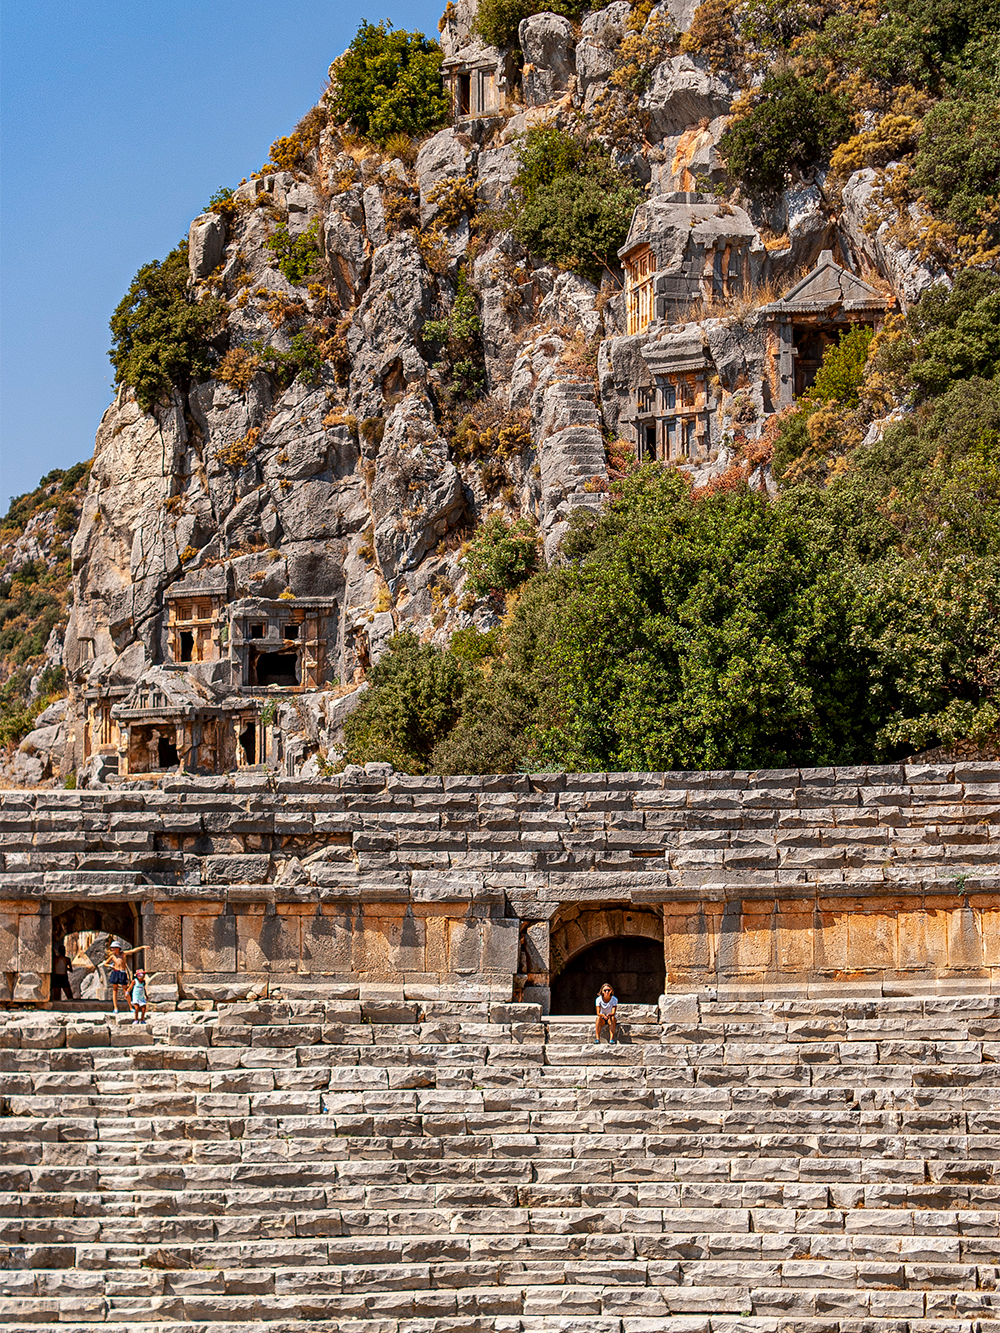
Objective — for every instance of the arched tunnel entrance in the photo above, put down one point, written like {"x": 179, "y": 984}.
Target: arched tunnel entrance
{"x": 84, "y": 931}
{"x": 635, "y": 968}
{"x": 116, "y": 920}
{"x": 591, "y": 943}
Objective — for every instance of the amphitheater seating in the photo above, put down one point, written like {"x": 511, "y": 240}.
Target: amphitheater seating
{"x": 386, "y": 1167}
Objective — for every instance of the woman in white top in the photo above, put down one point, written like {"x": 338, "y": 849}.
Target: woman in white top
{"x": 607, "y": 1003}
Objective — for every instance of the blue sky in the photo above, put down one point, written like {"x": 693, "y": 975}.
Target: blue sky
{"x": 117, "y": 123}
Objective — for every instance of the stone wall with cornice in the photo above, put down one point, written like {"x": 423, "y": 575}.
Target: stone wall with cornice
{"x": 880, "y": 880}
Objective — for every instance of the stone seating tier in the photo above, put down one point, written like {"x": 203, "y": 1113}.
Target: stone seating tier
{"x": 824, "y": 1166}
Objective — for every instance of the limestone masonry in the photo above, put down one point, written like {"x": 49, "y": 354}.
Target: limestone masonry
{"x": 418, "y": 888}
{"x": 819, "y": 1166}
{"x": 800, "y": 1132}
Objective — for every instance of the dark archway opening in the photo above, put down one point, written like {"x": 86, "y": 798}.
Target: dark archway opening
{"x": 276, "y": 669}
{"x": 464, "y": 94}
{"x": 248, "y": 743}
{"x": 187, "y": 646}
{"x": 84, "y": 932}
{"x": 166, "y": 753}
{"x": 633, "y": 965}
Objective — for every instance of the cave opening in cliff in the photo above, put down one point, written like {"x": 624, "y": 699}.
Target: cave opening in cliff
{"x": 275, "y": 669}
{"x": 634, "y": 966}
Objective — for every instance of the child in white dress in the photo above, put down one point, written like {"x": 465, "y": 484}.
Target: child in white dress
{"x": 137, "y": 996}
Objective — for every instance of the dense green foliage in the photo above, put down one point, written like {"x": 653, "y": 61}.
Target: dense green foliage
{"x": 501, "y": 556}
{"x": 957, "y": 167}
{"x": 388, "y": 82}
{"x": 573, "y": 205}
{"x": 839, "y": 377}
{"x": 420, "y": 695}
{"x": 909, "y": 87}
{"x": 160, "y": 333}
{"x": 455, "y": 340}
{"x": 296, "y": 256}
{"x": 725, "y": 632}
{"x": 791, "y": 125}
{"x": 954, "y": 334}
{"x": 497, "y": 21}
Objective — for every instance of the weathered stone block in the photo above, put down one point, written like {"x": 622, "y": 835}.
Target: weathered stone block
{"x": 209, "y": 943}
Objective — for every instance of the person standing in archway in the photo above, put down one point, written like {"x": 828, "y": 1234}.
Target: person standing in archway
{"x": 61, "y": 968}
{"x": 607, "y": 1006}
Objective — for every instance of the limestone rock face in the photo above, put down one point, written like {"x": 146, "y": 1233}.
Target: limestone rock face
{"x": 40, "y": 754}
{"x": 549, "y": 61}
{"x": 872, "y": 237}
{"x": 383, "y": 338}
{"x": 683, "y": 94}
{"x": 126, "y": 547}
{"x": 206, "y": 238}
{"x": 442, "y": 159}
{"x": 347, "y": 246}
{"x": 417, "y": 494}
{"x": 601, "y": 33}
{"x": 317, "y": 483}
{"x": 571, "y": 304}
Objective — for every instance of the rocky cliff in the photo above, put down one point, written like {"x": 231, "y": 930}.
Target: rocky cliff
{"x": 252, "y": 538}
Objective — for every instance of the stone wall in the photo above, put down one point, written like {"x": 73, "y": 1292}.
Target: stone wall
{"x": 375, "y": 884}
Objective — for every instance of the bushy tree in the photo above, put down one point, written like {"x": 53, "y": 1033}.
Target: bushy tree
{"x": 839, "y": 376}
{"x": 456, "y": 340}
{"x": 414, "y": 700}
{"x": 388, "y": 82}
{"x": 957, "y": 165}
{"x": 954, "y": 333}
{"x": 791, "y": 127}
{"x": 502, "y": 555}
{"x": 497, "y": 21}
{"x": 160, "y": 333}
{"x": 574, "y": 207}
{"x": 296, "y": 256}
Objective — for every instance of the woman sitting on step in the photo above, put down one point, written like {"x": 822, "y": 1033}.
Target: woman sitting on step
{"x": 607, "y": 1004}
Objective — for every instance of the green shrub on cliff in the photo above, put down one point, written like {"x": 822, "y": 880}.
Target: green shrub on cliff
{"x": 160, "y": 333}
{"x": 296, "y": 256}
{"x": 574, "y": 206}
{"x": 501, "y": 556}
{"x": 455, "y": 341}
{"x": 790, "y": 126}
{"x": 418, "y": 697}
{"x": 847, "y": 625}
{"x": 388, "y": 82}
{"x": 497, "y": 21}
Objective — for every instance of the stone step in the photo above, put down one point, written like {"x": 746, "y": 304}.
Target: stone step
{"x": 601, "y": 1306}
{"x": 491, "y": 1323}
{"x": 746, "y": 1167}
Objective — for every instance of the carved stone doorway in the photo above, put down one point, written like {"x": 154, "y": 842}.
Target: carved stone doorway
{"x": 592, "y": 943}
{"x": 634, "y": 967}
